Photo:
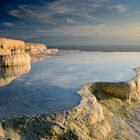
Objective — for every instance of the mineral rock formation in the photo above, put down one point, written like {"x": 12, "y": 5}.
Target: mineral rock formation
{"x": 119, "y": 90}
{"x": 10, "y": 46}
{"x": 129, "y": 90}
{"x": 90, "y": 120}
{"x": 35, "y": 49}
{"x": 135, "y": 85}
{"x": 52, "y": 51}
{"x": 16, "y": 52}
{"x": 84, "y": 122}
{"x": 12, "y": 53}
{"x": 8, "y": 74}
{"x": 14, "y": 60}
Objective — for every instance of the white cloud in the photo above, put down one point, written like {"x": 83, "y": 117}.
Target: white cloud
{"x": 127, "y": 30}
{"x": 71, "y": 21}
{"x": 121, "y": 8}
{"x": 9, "y": 24}
{"x": 16, "y": 13}
{"x": 69, "y": 7}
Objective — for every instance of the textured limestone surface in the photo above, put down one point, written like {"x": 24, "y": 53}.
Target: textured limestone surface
{"x": 14, "y": 60}
{"x": 10, "y": 51}
{"x": 104, "y": 113}
{"x": 11, "y": 46}
{"x": 107, "y": 118}
{"x": 84, "y": 122}
{"x": 34, "y": 49}
{"x": 52, "y": 51}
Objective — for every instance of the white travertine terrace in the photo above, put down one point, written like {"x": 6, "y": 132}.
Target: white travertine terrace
{"x": 90, "y": 120}
{"x": 137, "y": 79}
{"x": 16, "y": 52}
{"x": 135, "y": 85}
{"x": 87, "y": 121}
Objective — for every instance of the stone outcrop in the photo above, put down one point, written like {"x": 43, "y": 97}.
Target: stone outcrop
{"x": 8, "y": 74}
{"x": 39, "y": 51}
{"x": 10, "y": 46}
{"x": 14, "y": 60}
{"x": 52, "y": 51}
{"x": 90, "y": 120}
{"x": 83, "y": 122}
{"x": 119, "y": 90}
{"x": 35, "y": 49}
{"x": 87, "y": 121}
{"x": 12, "y": 53}
{"x": 16, "y": 52}
{"x": 129, "y": 90}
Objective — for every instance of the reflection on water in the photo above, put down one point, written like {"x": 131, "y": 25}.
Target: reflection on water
{"x": 8, "y": 74}
{"x": 51, "y": 84}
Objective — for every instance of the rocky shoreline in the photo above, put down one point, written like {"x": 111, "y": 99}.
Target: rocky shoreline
{"x": 104, "y": 112}
{"x": 16, "y": 57}
{"x": 99, "y": 116}
{"x": 17, "y": 52}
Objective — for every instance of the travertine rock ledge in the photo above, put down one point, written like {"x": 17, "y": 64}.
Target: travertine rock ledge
{"x": 90, "y": 120}
{"x": 14, "y": 60}
{"x": 35, "y": 49}
{"x": 11, "y": 46}
{"x": 10, "y": 51}
{"x": 129, "y": 90}
{"x": 83, "y": 122}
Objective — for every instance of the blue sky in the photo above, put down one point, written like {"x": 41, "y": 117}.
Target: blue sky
{"x": 72, "y": 22}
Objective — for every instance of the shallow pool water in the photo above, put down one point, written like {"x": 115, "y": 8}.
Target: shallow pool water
{"x": 51, "y": 85}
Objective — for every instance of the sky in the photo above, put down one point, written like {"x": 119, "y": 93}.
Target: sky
{"x": 72, "y": 22}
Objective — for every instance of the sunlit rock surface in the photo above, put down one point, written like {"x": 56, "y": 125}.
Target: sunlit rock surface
{"x": 8, "y": 74}
{"x": 105, "y": 118}
{"x": 16, "y": 52}
{"x": 135, "y": 85}
{"x": 83, "y": 122}
{"x": 35, "y": 49}
{"x": 102, "y": 114}
{"x": 102, "y": 119}
{"x": 14, "y": 60}
{"x": 11, "y": 46}
{"x": 39, "y": 51}
{"x": 129, "y": 90}
{"x": 52, "y": 51}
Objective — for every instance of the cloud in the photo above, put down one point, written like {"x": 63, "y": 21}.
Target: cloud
{"x": 16, "y": 13}
{"x": 71, "y": 21}
{"x": 127, "y": 30}
{"x": 63, "y": 7}
{"x": 9, "y": 24}
{"x": 121, "y": 8}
